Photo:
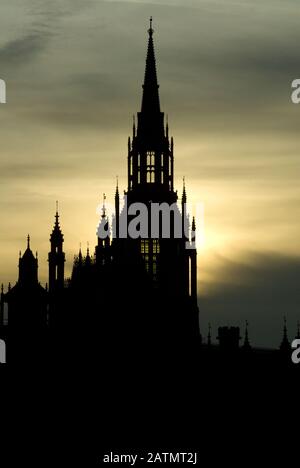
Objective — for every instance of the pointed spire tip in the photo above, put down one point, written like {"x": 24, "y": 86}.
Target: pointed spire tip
{"x": 151, "y": 30}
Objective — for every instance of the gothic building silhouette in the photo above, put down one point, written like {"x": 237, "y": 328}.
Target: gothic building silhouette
{"x": 146, "y": 286}
{"x": 130, "y": 289}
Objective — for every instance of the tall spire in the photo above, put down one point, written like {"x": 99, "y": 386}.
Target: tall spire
{"x": 150, "y": 102}
{"x": 28, "y": 241}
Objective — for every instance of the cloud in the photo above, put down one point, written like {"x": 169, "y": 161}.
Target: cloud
{"x": 259, "y": 287}
{"x": 20, "y": 50}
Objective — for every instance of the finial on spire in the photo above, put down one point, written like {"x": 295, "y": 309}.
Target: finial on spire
{"x": 151, "y": 30}
{"x": 88, "y": 249}
{"x": 117, "y": 190}
{"x": 56, "y": 213}
{"x": 133, "y": 125}
{"x": 28, "y": 241}
{"x": 183, "y": 191}
{"x": 103, "y": 207}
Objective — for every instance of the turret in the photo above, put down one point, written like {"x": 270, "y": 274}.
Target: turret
{"x": 56, "y": 256}
{"x": 183, "y": 212}
{"x": 88, "y": 260}
{"x": 28, "y": 268}
{"x": 285, "y": 346}
{"x": 103, "y": 233}
{"x": 246, "y": 345}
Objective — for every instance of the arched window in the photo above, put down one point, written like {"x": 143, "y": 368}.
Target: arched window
{"x": 150, "y": 156}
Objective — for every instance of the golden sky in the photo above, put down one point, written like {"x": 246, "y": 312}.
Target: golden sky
{"x": 74, "y": 71}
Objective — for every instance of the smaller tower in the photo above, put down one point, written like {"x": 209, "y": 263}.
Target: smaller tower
{"x": 88, "y": 260}
{"x": 246, "y": 345}
{"x": 56, "y": 257}
{"x": 28, "y": 268}
{"x": 285, "y": 346}
{"x": 103, "y": 233}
